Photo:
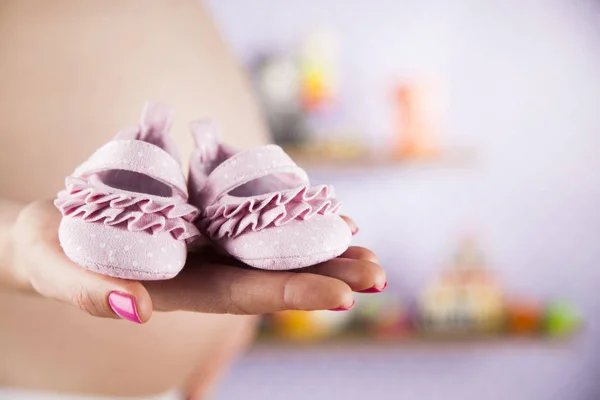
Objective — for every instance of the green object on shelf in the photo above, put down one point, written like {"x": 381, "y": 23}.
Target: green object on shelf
{"x": 561, "y": 319}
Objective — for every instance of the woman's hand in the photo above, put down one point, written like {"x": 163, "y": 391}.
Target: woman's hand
{"x": 209, "y": 283}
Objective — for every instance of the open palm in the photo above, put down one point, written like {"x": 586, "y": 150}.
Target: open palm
{"x": 209, "y": 283}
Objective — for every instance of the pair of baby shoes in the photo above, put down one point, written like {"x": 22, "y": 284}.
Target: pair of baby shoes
{"x": 128, "y": 211}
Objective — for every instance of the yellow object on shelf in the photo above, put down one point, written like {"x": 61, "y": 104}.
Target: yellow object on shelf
{"x": 319, "y": 64}
{"x": 309, "y": 325}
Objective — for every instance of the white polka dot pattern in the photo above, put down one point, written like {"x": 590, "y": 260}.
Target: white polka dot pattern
{"x": 136, "y": 156}
{"x": 284, "y": 249}
{"x": 96, "y": 247}
{"x": 247, "y": 166}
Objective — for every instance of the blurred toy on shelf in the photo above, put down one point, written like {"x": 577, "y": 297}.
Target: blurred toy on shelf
{"x": 524, "y": 317}
{"x": 383, "y": 315}
{"x": 319, "y": 60}
{"x": 277, "y": 78}
{"x": 466, "y": 299}
{"x": 561, "y": 319}
{"x": 299, "y": 92}
{"x": 418, "y": 115}
{"x": 300, "y": 89}
{"x": 463, "y": 301}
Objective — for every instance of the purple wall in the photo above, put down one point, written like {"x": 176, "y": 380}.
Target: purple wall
{"x": 523, "y": 80}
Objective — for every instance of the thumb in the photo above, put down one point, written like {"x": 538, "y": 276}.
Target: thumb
{"x": 99, "y": 295}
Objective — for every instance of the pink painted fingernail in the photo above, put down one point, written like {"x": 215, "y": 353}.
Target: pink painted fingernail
{"x": 373, "y": 289}
{"x": 123, "y": 305}
{"x": 343, "y": 308}
{"x": 355, "y": 230}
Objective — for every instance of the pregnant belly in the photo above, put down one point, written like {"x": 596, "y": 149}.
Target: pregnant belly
{"x": 73, "y": 74}
{"x": 50, "y": 346}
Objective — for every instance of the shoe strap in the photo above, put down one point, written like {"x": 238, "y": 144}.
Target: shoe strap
{"x": 136, "y": 156}
{"x": 249, "y": 165}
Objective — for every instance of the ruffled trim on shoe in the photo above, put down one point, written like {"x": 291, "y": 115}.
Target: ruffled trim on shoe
{"x": 273, "y": 209}
{"x": 136, "y": 213}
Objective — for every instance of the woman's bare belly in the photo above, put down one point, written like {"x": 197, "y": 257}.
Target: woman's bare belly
{"x": 72, "y": 73}
{"x": 45, "y": 345}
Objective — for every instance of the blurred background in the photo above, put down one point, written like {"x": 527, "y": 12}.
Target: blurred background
{"x": 464, "y": 139}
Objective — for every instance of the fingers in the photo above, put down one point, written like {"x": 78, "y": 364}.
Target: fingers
{"x": 221, "y": 288}
{"x": 99, "y": 295}
{"x": 351, "y": 224}
{"x": 50, "y": 273}
{"x": 359, "y": 275}
{"x": 357, "y": 267}
{"x": 360, "y": 253}
{"x": 212, "y": 283}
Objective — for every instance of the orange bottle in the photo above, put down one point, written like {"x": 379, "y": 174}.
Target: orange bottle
{"x": 417, "y": 121}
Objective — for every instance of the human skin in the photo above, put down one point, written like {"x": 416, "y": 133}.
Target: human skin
{"x": 72, "y": 74}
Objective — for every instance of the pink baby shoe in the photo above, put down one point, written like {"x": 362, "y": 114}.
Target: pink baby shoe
{"x": 125, "y": 209}
{"x": 259, "y": 207}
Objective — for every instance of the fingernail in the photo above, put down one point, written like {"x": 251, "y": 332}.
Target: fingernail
{"x": 343, "y": 308}
{"x": 355, "y": 230}
{"x": 123, "y": 305}
{"x": 373, "y": 289}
